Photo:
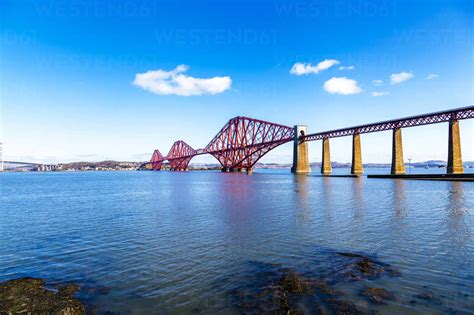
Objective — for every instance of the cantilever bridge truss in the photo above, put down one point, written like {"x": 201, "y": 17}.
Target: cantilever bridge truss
{"x": 238, "y": 145}
{"x": 243, "y": 141}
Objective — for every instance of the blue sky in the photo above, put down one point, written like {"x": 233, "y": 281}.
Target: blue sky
{"x": 93, "y": 80}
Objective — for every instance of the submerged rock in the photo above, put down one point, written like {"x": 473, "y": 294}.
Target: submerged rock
{"x": 291, "y": 282}
{"x": 278, "y": 296}
{"x": 425, "y": 296}
{"x": 323, "y": 288}
{"x": 272, "y": 289}
{"x": 342, "y": 307}
{"x": 360, "y": 267}
{"x": 378, "y": 295}
{"x": 429, "y": 297}
{"x": 30, "y": 296}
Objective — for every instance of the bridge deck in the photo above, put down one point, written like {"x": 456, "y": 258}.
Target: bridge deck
{"x": 419, "y": 120}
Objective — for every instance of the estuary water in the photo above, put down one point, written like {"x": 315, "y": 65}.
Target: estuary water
{"x": 208, "y": 242}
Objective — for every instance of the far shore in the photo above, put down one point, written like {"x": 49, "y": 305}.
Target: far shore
{"x": 114, "y": 166}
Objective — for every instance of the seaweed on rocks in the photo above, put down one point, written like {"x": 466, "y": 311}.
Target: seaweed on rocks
{"x": 359, "y": 267}
{"x": 272, "y": 288}
{"x": 291, "y": 282}
{"x": 323, "y": 288}
{"x": 342, "y": 307}
{"x": 378, "y": 295}
{"x": 278, "y": 295}
{"x": 277, "y": 290}
{"x": 30, "y": 296}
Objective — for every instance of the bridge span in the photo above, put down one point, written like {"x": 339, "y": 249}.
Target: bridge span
{"x": 237, "y": 146}
{"x": 243, "y": 141}
{"x": 35, "y": 166}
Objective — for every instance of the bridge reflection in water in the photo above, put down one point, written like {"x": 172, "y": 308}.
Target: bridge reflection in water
{"x": 243, "y": 141}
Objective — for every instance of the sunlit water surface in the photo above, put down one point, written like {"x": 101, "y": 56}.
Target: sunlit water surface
{"x": 164, "y": 242}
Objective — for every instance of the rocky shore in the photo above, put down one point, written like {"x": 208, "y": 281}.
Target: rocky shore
{"x": 31, "y": 296}
{"x": 282, "y": 290}
{"x": 266, "y": 288}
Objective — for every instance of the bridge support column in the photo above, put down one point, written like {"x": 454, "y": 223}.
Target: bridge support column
{"x": 454, "y": 149}
{"x": 249, "y": 170}
{"x": 356, "y": 168}
{"x": 326, "y": 167}
{"x": 398, "y": 166}
{"x": 300, "y": 152}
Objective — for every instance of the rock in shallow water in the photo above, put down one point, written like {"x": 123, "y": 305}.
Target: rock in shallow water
{"x": 378, "y": 295}
{"x": 359, "y": 267}
{"x": 281, "y": 289}
{"x": 291, "y": 282}
{"x": 342, "y": 307}
{"x": 30, "y": 296}
{"x": 428, "y": 297}
{"x": 272, "y": 289}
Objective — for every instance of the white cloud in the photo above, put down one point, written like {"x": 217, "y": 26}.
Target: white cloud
{"x": 346, "y": 67}
{"x": 342, "y": 86}
{"x": 175, "y": 82}
{"x": 380, "y": 93}
{"x": 300, "y": 68}
{"x": 397, "y": 78}
{"x": 377, "y": 82}
{"x": 432, "y": 76}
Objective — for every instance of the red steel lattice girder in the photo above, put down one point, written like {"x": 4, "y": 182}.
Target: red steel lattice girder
{"x": 243, "y": 141}
{"x": 426, "y": 119}
{"x": 179, "y": 155}
{"x": 156, "y": 160}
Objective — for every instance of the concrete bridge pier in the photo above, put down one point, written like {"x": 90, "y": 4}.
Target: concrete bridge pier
{"x": 454, "y": 149}
{"x": 326, "y": 167}
{"x": 249, "y": 170}
{"x": 300, "y": 152}
{"x": 398, "y": 166}
{"x": 356, "y": 168}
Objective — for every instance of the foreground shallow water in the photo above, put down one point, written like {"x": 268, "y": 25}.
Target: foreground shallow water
{"x": 207, "y": 242}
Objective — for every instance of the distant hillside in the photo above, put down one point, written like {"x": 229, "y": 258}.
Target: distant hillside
{"x": 99, "y": 166}
{"x": 110, "y": 165}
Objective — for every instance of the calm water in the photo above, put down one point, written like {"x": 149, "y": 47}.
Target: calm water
{"x": 166, "y": 242}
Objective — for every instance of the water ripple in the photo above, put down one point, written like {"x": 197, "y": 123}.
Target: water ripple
{"x": 167, "y": 243}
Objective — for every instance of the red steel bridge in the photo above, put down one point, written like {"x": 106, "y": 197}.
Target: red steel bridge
{"x": 243, "y": 141}
{"x": 237, "y": 146}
